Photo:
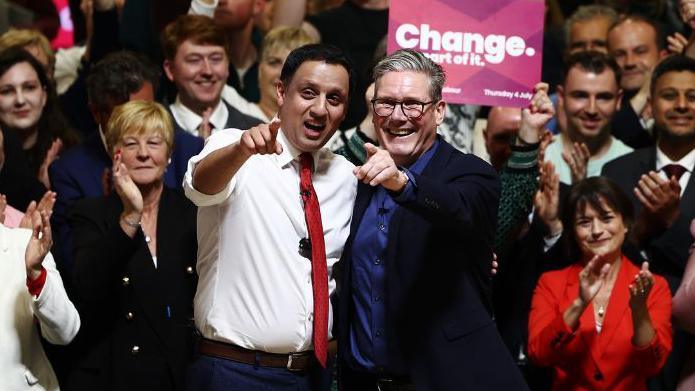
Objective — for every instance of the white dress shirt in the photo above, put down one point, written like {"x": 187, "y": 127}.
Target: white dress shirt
{"x": 688, "y": 162}
{"x": 22, "y": 359}
{"x": 254, "y": 288}
{"x": 190, "y": 121}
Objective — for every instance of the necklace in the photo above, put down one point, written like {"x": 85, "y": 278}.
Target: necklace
{"x": 601, "y": 311}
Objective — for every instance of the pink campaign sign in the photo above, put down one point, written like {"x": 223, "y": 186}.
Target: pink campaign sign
{"x": 491, "y": 50}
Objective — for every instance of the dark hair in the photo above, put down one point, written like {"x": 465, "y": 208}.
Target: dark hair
{"x": 595, "y": 192}
{"x": 52, "y": 123}
{"x": 116, "y": 76}
{"x": 328, "y": 54}
{"x": 658, "y": 33}
{"x": 674, "y": 63}
{"x": 591, "y": 61}
{"x": 200, "y": 29}
{"x": 15, "y": 55}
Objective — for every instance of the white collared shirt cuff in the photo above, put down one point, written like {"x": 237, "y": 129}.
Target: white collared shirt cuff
{"x": 218, "y": 140}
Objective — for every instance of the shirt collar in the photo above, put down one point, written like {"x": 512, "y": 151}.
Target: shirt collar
{"x": 688, "y": 161}
{"x": 424, "y": 159}
{"x": 191, "y": 121}
{"x": 290, "y": 153}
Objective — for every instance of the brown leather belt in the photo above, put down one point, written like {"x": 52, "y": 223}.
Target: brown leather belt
{"x": 294, "y": 362}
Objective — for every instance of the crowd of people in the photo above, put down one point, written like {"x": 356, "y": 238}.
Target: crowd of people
{"x": 254, "y": 195}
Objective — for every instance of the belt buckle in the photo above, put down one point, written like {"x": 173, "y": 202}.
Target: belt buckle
{"x": 290, "y": 359}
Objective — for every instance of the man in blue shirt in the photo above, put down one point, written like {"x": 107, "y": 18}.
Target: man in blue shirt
{"x": 415, "y": 299}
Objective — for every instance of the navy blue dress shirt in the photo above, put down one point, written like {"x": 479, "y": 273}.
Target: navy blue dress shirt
{"x": 368, "y": 342}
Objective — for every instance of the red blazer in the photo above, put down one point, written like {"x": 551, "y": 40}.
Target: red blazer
{"x": 585, "y": 359}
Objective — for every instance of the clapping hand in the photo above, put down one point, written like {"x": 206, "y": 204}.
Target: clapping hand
{"x": 45, "y": 205}
{"x": 578, "y": 160}
{"x": 39, "y": 244}
{"x": 380, "y": 169}
{"x": 51, "y": 155}
{"x": 592, "y": 278}
{"x": 547, "y": 198}
{"x": 677, "y": 43}
{"x": 660, "y": 199}
{"x": 640, "y": 288}
{"x": 126, "y": 189}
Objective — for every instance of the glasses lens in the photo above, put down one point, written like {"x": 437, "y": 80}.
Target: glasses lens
{"x": 383, "y": 108}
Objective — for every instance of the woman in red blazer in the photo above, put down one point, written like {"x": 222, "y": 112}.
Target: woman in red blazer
{"x": 601, "y": 323}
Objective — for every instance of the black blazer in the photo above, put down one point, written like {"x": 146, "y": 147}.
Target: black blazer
{"x": 667, "y": 251}
{"x": 438, "y": 278}
{"x": 136, "y": 320}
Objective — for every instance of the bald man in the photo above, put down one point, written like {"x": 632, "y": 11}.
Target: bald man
{"x": 502, "y": 127}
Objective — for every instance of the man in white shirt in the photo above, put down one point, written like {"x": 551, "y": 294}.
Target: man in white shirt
{"x": 588, "y": 97}
{"x": 257, "y": 242}
{"x": 197, "y": 62}
{"x": 658, "y": 177}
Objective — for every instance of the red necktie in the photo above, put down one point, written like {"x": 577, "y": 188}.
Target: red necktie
{"x": 676, "y": 170}
{"x": 319, "y": 270}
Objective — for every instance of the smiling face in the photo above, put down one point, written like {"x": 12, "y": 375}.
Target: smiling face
{"x": 673, "y": 105}
{"x": 200, "y": 72}
{"x": 22, "y": 97}
{"x": 406, "y": 138}
{"x": 145, "y": 155}
{"x": 589, "y": 100}
{"x": 599, "y": 232}
{"x": 313, "y": 104}
{"x": 633, "y": 44}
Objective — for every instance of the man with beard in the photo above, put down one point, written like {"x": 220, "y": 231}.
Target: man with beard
{"x": 588, "y": 97}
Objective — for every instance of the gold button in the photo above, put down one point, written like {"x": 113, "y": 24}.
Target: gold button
{"x": 126, "y": 281}
{"x": 129, "y": 316}
{"x": 135, "y": 350}
{"x": 189, "y": 270}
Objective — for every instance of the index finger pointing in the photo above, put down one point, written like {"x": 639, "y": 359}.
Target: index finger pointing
{"x": 274, "y": 126}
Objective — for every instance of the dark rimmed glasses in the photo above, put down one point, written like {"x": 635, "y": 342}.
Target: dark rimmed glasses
{"x": 413, "y": 109}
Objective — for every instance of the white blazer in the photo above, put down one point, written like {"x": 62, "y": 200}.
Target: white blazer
{"x": 23, "y": 363}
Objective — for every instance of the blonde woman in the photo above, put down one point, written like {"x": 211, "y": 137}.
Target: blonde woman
{"x": 135, "y": 254}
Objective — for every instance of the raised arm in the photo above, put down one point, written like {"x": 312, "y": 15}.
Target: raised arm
{"x": 213, "y": 173}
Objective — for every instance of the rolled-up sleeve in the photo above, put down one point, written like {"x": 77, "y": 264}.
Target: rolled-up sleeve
{"x": 217, "y": 140}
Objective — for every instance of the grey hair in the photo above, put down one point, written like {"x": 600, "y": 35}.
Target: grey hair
{"x": 404, "y": 60}
{"x": 589, "y": 12}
